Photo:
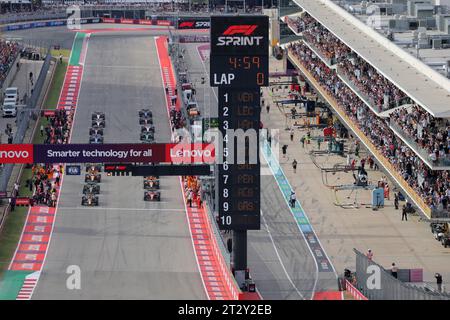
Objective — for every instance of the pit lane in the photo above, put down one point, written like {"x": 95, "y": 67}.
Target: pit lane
{"x": 126, "y": 248}
{"x": 279, "y": 259}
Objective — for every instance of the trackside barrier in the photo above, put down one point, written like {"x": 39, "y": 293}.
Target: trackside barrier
{"x": 43, "y": 24}
{"x": 226, "y": 274}
{"x": 24, "y": 118}
{"x": 388, "y": 287}
{"x": 360, "y": 134}
{"x": 7, "y": 209}
{"x": 215, "y": 229}
{"x": 354, "y": 292}
{"x": 166, "y": 23}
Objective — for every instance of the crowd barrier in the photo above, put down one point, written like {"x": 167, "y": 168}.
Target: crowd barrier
{"x": 355, "y": 293}
{"x": 43, "y": 24}
{"x": 389, "y": 288}
{"x": 228, "y": 277}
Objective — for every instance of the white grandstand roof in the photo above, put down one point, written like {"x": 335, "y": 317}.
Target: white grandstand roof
{"x": 428, "y": 88}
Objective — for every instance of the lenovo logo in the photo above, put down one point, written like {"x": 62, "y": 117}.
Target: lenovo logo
{"x": 230, "y": 36}
{"x": 16, "y": 153}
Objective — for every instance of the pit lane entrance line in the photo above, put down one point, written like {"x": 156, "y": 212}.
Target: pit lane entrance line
{"x": 279, "y": 257}
{"x": 121, "y": 67}
{"x": 123, "y": 209}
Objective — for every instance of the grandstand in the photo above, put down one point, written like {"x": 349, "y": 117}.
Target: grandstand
{"x": 374, "y": 80}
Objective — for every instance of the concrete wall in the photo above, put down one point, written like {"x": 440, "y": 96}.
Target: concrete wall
{"x": 442, "y": 2}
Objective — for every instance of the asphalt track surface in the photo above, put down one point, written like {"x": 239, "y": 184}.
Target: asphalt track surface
{"x": 126, "y": 248}
{"x": 50, "y": 36}
{"x": 279, "y": 259}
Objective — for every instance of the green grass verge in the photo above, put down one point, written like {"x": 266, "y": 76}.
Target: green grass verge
{"x": 10, "y": 235}
{"x": 65, "y": 53}
{"x": 55, "y": 89}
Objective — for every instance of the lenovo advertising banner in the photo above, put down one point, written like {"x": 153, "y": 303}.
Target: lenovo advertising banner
{"x": 137, "y": 21}
{"x": 16, "y": 153}
{"x": 107, "y": 153}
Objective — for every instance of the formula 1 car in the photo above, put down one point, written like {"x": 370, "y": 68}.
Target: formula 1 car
{"x": 98, "y": 116}
{"x": 98, "y": 123}
{"x": 151, "y": 183}
{"x": 148, "y": 128}
{"x": 147, "y": 137}
{"x": 93, "y": 168}
{"x": 152, "y": 196}
{"x": 93, "y": 177}
{"x": 96, "y": 130}
{"x": 145, "y": 121}
{"x": 89, "y": 200}
{"x": 91, "y": 188}
{"x": 151, "y": 177}
{"x": 145, "y": 113}
{"x": 95, "y": 139}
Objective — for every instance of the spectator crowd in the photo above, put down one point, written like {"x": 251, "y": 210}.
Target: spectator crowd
{"x": 45, "y": 191}
{"x": 301, "y": 23}
{"x": 326, "y": 43}
{"x": 379, "y": 91}
{"x": 9, "y": 51}
{"x": 57, "y": 130}
{"x": 26, "y": 11}
{"x": 429, "y": 133}
{"x": 432, "y": 186}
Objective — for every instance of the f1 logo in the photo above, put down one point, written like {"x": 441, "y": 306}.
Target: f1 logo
{"x": 186, "y": 24}
{"x": 245, "y": 29}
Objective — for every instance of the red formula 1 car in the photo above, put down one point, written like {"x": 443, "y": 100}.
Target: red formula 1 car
{"x": 152, "y": 196}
